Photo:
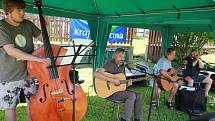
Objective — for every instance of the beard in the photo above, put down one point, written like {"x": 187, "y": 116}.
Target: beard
{"x": 119, "y": 63}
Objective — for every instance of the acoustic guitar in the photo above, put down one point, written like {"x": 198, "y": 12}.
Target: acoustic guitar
{"x": 105, "y": 88}
{"x": 167, "y": 84}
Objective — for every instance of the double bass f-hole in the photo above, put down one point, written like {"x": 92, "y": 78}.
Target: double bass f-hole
{"x": 44, "y": 89}
{"x": 70, "y": 92}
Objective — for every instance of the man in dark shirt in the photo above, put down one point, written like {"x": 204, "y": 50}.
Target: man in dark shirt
{"x": 191, "y": 72}
{"x": 131, "y": 99}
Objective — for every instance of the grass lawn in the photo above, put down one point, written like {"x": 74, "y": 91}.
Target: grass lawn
{"x": 101, "y": 109}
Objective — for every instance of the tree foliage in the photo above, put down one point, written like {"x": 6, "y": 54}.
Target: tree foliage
{"x": 185, "y": 42}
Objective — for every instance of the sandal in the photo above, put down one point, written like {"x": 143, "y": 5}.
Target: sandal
{"x": 169, "y": 105}
{"x": 154, "y": 105}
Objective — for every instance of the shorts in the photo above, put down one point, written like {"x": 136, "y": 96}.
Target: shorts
{"x": 10, "y": 92}
{"x": 199, "y": 78}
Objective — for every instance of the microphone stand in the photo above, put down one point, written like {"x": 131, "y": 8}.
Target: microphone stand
{"x": 74, "y": 81}
{"x": 153, "y": 88}
{"x": 150, "y": 107}
{"x": 208, "y": 65}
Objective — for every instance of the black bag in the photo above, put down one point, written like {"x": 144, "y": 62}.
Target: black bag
{"x": 193, "y": 102}
{"x": 205, "y": 117}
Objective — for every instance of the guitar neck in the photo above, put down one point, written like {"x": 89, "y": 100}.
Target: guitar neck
{"x": 124, "y": 81}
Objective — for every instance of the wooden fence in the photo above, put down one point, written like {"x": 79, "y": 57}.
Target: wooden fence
{"x": 154, "y": 46}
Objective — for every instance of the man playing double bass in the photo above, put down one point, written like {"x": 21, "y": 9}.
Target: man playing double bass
{"x": 16, "y": 46}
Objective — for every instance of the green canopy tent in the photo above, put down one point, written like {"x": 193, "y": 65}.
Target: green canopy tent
{"x": 167, "y": 16}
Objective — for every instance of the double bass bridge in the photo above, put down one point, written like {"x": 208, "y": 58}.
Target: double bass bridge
{"x": 56, "y": 92}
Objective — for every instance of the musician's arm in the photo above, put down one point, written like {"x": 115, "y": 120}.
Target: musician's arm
{"x": 195, "y": 62}
{"x": 19, "y": 54}
{"x": 101, "y": 74}
{"x": 200, "y": 64}
{"x": 40, "y": 37}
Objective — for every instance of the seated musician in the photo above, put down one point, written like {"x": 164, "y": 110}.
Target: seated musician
{"x": 131, "y": 99}
{"x": 191, "y": 72}
{"x": 161, "y": 69}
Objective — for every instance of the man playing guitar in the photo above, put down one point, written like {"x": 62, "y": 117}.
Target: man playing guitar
{"x": 131, "y": 99}
{"x": 161, "y": 69}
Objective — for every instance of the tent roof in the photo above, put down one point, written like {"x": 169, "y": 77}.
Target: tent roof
{"x": 135, "y": 13}
{"x": 168, "y": 16}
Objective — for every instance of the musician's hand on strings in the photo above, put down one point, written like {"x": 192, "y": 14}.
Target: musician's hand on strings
{"x": 174, "y": 79}
{"x": 130, "y": 82}
{"x": 116, "y": 82}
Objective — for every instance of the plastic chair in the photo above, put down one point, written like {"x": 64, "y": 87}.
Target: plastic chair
{"x": 116, "y": 107}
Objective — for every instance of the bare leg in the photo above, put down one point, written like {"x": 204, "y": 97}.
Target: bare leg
{"x": 10, "y": 114}
{"x": 173, "y": 92}
{"x": 208, "y": 82}
{"x": 156, "y": 93}
{"x": 189, "y": 80}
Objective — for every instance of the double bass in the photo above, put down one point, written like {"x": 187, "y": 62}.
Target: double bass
{"x": 57, "y": 98}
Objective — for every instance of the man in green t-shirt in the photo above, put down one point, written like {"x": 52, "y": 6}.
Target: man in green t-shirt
{"x": 16, "y": 46}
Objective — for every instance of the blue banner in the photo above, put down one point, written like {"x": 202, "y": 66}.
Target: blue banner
{"x": 79, "y": 29}
{"x": 117, "y": 34}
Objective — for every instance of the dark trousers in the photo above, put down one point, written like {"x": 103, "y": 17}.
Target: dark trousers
{"x": 132, "y": 101}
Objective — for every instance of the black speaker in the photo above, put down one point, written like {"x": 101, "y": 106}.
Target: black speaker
{"x": 205, "y": 117}
{"x": 191, "y": 101}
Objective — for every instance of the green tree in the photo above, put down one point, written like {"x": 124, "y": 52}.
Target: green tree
{"x": 185, "y": 42}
